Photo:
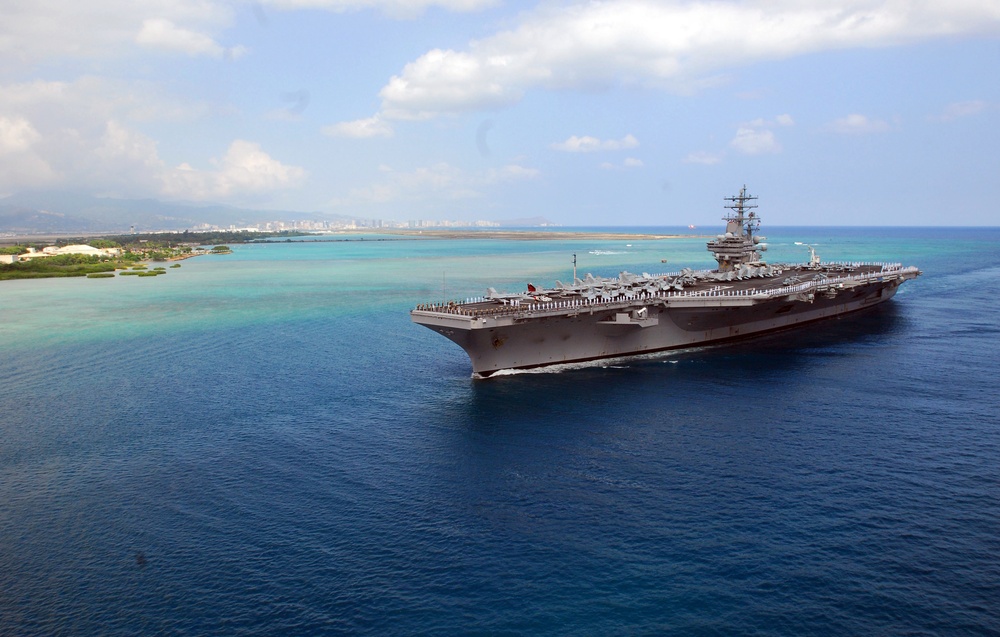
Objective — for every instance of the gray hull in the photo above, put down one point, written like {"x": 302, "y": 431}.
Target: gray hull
{"x": 589, "y": 331}
{"x": 599, "y": 318}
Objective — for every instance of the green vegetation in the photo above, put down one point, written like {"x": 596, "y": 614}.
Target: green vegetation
{"x": 63, "y": 265}
{"x": 174, "y": 239}
{"x": 135, "y": 248}
{"x": 101, "y": 275}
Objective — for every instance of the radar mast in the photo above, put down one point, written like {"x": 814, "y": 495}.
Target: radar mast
{"x": 739, "y": 245}
{"x": 743, "y": 219}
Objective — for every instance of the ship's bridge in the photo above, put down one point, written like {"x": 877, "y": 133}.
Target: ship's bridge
{"x": 739, "y": 246}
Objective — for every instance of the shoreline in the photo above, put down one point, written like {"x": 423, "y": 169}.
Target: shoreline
{"x": 516, "y": 235}
{"x": 414, "y": 233}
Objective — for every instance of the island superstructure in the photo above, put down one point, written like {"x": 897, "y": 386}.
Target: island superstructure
{"x": 598, "y": 318}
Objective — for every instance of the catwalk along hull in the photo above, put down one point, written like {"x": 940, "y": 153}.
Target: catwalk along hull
{"x": 569, "y": 330}
{"x": 599, "y": 318}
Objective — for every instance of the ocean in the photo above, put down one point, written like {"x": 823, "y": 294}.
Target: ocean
{"x": 263, "y": 443}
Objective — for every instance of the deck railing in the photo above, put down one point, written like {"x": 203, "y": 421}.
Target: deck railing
{"x": 519, "y": 308}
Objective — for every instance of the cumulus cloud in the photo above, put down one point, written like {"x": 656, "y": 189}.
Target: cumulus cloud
{"x": 74, "y": 134}
{"x": 245, "y": 169}
{"x": 448, "y": 81}
{"x": 755, "y": 141}
{"x": 856, "y": 123}
{"x": 645, "y": 42}
{"x": 587, "y": 144}
{"x": 756, "y": 137}
{"x": 160, "y": 33}
{"x": 16, "y": 135}
{"x": 121, "y": 146}
{"x": 84, "y": 134}
{"x": 20, "y": 164}
{"x": 38, "y": 30}
{"x": 109, "y": 158}
{"x": 31, "y": 32}
{"x": 360, "y": 128}
{"x": 780, "y": 120}
{"x": 393, "y": 8}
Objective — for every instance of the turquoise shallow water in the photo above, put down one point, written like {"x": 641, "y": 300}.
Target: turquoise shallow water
{"x": 262, "y": 442}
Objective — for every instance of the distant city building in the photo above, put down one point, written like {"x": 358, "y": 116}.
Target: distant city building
{"x": 335, "y": 225}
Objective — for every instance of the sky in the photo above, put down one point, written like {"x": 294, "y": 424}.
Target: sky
{"x": 591, "y": 113}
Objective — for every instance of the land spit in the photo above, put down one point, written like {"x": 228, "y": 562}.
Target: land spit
{"x": 413, "y": 233}
{"x": 527, "y": 235}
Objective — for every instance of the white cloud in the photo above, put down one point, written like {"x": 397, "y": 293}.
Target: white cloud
{"x": 21, "y": 166}
{"x": 587, "y": 144}
{"x": 856, "y": 123}
{"x": 31, "y": 32}
{"x": 394, "y": 8}
{"x": 780, "y": 120}
{"x": 756, "y": 137}
{"x": 37, "y": 30}
{"x": 958, "y": 110}
{"x": 755, "y": 141}
{"x": 73, "y": 134}
{"x": 130, "y": 150}
{"x": 511, "y": 172}
{"x": 704, "y": 158}
{"x": 457, "y": 82}
{"x": 17, "y": 135}
{"x": 630, "y": 162}
{"x": 160, "y": 33}
{"x": 123, "y": 162}
{"x": 236, "y": 52}
{"x": 89, "y": 102}
{"x": 246, "y": 169}
{"x": 360, "y": 128}
{"x": 83, "y": 134}
{"x": 645, "y": 42}
{"x": 109, "y": 158}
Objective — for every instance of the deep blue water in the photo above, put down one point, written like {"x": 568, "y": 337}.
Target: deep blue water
{"x": 262, "y": 443}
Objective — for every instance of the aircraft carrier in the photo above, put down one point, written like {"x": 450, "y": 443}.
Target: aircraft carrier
{"x": 598, "y": 318}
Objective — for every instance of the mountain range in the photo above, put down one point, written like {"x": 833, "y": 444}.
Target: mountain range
{"x": 47, "y": 212}
{"x": 67, "y": 211}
